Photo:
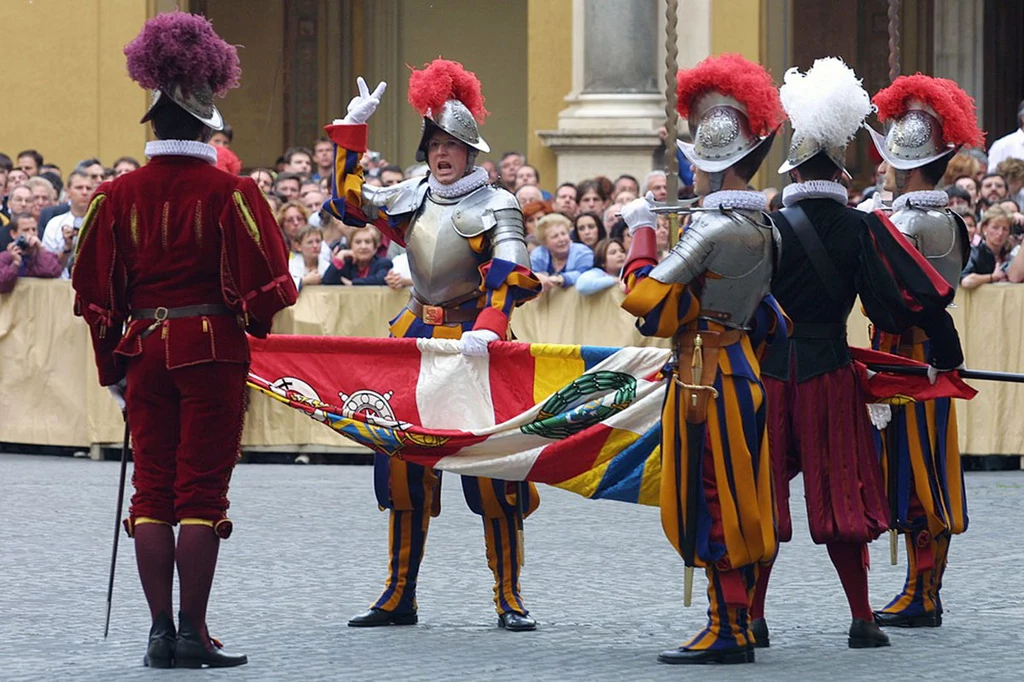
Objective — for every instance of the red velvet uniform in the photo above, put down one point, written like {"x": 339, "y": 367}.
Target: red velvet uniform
{"x": 180, "y": 233}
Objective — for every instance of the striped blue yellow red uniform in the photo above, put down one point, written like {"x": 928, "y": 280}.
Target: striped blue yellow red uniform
{"x": 412, "y": 492}
{"x": 736, "y": 526}
{"x": 931, "y": 501}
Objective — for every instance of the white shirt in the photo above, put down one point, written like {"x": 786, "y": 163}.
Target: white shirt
{"x": 1009, "y": 147}
{"x": 297, "y": 264}
{"x": 53, "y": 236}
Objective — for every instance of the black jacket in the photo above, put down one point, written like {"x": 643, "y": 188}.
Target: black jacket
{"x": 897, "y": 288}
{"x": 379, "y": 267}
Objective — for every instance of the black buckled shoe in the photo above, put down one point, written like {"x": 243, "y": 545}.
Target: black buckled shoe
{"x": 516, "y": 622}
{"x": 377, "y": 617}
{"x": 682, "y": 656}
{"x": 866, "y": 635}
{"x": 759, "y": 629}
{"x": 160, "y": 652}
{"x": 929, "y": 619}
{"x": 192, "y": 652}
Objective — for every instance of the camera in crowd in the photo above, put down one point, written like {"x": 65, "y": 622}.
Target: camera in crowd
{"x": 22, "y": 243}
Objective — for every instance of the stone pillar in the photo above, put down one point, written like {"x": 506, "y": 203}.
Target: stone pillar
{"x": 958, "y": 42}
{"x": 616, "y": 104}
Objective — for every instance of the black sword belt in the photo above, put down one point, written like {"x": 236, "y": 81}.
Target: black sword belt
{"x": 160, "y": 314}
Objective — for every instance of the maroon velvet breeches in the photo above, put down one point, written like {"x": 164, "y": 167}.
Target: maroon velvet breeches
{"x": 186, "y": 425}
{"x": 821, "y": 427}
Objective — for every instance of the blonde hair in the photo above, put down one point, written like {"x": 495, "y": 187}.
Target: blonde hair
{"x": 291, "y": 204}
{"x": 308, "y": 230}
{"x": 374, "y": 234}
{"x": 549, "y": 221}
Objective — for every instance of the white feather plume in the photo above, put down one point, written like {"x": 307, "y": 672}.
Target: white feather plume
{"x": 827, "y": 104}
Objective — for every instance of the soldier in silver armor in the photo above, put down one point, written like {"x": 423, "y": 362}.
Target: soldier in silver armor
{"x": 930, "y": 119}
{"x": 709, "y": 293}
{"x": 466, "y": 244}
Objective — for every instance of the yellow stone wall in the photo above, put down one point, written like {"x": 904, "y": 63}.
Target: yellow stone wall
{"x": 549, "y": 65}
{"x": 66, "y": 90}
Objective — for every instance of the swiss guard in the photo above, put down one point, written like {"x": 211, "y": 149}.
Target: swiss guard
{"x": 930, "y": 119}
{"x": 817, "y": 421}
{"x": 176, "y": 262}
{"x": 716, "y": 490}
{"x": 466, "y": 243}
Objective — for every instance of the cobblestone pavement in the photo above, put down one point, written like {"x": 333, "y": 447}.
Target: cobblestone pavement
{"x": 309, "y": 551}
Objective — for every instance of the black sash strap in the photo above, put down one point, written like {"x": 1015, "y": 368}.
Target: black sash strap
{"x": 831, "y": 280}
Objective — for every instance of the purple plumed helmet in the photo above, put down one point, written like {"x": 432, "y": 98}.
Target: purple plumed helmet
{"x": 178, "y": 55}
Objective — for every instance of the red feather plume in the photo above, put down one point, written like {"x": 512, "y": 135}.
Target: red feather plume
{"x": 731, "y": 74}
{"x": 442, "y": 80}
{"x": 954, "y": 106}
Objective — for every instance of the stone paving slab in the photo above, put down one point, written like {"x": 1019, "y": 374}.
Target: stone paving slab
{"x": 309, "y": 551}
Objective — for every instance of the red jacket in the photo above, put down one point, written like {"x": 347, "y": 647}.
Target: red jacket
{"x": 179, "y": 232}
{"x": 41, "y": 264}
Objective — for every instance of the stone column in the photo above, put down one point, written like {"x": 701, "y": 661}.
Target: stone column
{"x": 616, "y": 105}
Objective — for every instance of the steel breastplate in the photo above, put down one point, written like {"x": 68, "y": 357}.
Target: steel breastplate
{"x": 935, "y": 233}
{"x": 739, "y": 272}
{"x": 442, "y": 264}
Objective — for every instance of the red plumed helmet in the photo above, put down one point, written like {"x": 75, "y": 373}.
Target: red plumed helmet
{"x": 733, "y": 109}
{"x": 946, "y": 100}
{"x": 743, "y": 80}
{"x": 448, "y": 98}
{"x": 442, "y": 80}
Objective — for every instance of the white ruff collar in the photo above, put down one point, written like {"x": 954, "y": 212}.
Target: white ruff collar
{"x": 736, "y": 198}
{"x": 926, "y": 198}
{"x": 193, "y": 148}
{"x": 464, "y": 185}
{"x": 814, "y": 189}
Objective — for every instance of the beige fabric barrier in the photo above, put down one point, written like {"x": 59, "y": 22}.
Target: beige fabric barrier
{"x": 49, "y": 394}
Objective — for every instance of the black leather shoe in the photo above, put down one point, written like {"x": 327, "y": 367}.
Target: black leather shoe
{"x": 376, "y": 617}
{"x": 192, "y": 652}
{"x": 516, "y": 622}
{"x": 759, "y": 628}
{"x": 866, "y": 635}
{"x": 704, "y": 656}
{"x": 931, "y": 619}
{"x": 160, "y": 652}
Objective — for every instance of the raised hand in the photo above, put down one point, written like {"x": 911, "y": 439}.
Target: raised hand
{"x": 638, "y": 213}
{"x": 362, "y": 106}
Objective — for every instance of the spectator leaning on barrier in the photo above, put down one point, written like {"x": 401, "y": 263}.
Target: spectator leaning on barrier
{"x": 989, "y": 259}
{"x": 558, "y": 261}
{"x": 305, "y": 265}
{"x": 24, "y": 256}
{"x": 609, "y": 257}
{"x": 359, "y": 265}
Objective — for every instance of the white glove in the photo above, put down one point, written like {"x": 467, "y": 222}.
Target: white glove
{"x": 880, "y": 414}
{"x": 117, "y": 393}
{"x": 474, "y": 343}
{"x": 362, "y": 106}
{"x": 933, "y": 373}
{"x": 638, "y": 214}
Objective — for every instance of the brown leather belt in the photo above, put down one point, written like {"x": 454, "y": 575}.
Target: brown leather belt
{"x": 709, "y": 339}
{"x": 160, "y": 314}
{"x": 437, "y": 315}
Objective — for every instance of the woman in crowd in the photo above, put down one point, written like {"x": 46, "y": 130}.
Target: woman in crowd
{"x": 990, "y": 258}
{"x": 558, "y": 261}
{"x": 969, "y": 185}
{"x": 305, "y": 265}
{"x": 533, "y": 212}
{"x": 609, "y": 257}
{"x": 292, "y": 217}
{"x": 588, "y": 230}
{"x": 359, "y": 265}
{"x": 592, "y": 197}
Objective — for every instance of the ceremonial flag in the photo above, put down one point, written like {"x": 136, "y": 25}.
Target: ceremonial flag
{"x": 582, "y": 418}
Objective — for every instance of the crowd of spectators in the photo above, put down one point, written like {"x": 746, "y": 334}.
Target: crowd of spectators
{"x": 575, "y": 234}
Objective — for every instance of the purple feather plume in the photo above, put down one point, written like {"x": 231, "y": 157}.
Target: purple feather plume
{"x": 178, "y": 48}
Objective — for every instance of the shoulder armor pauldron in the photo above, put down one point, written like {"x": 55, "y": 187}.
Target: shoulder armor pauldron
{"x": 475, "y": 214}
{"x": 405, "y": 197}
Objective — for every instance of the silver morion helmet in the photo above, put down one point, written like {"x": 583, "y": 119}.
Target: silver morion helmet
{"x": 914, "y": 139}
{"x": 198, "y": 103}
{"x": 721, "y": 133}
{"x": 456, "y": 120}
